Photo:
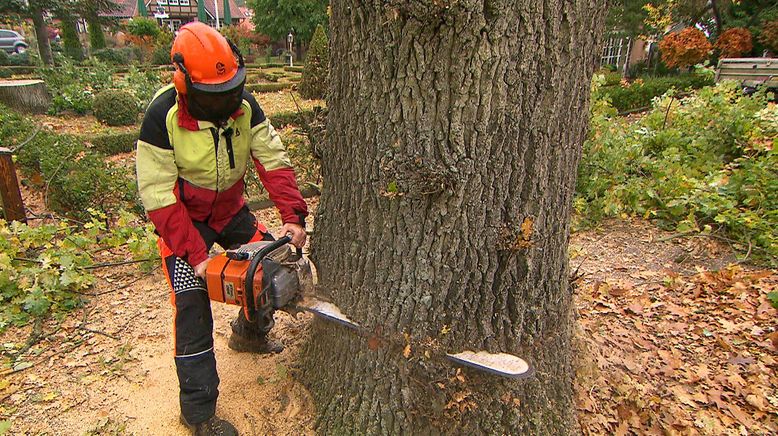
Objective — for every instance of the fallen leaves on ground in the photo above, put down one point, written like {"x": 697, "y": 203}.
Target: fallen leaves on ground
{"x": 691, "y": 354}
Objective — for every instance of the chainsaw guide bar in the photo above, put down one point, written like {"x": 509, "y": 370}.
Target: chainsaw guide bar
{"x": 326, "y": 310}
{"x": 502, "y": 364}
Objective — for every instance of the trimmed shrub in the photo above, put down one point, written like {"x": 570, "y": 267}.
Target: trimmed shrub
{"x": 268, "y": 87}
{"x": 685, "y": 48}
{"x": 314, "y": 81}
{"x": 20, "y": 59}
{"x": 4, "y": 58}
{"x": 160, "y": 55}
{"x": 640, "y": 92}
{"x": 5, "y": 73}
{"x": 115, "y": 143}
{"x": 296, "y": 69}
{"x": 116, "y": 108}
{"x": 734, "y": 42}
{"x": 115, "y": 56}
{"x": 143, "y": 26}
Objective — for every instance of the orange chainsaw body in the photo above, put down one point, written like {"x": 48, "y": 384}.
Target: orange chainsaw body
{"x": 226, "y": 282}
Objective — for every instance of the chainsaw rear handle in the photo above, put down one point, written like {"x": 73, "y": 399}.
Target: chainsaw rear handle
{"x": 258, "y": 257}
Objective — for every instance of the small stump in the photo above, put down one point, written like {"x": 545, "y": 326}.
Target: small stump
{"x": 25, "y": 95}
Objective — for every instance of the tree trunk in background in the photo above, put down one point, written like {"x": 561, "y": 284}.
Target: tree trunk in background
{"x": 41, "y": 33}
{"x": 454, "y": 133}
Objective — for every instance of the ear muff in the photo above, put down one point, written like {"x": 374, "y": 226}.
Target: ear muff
{"x": 180, "y": 76}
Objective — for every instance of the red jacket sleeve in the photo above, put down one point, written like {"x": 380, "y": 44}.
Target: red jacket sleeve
{"x": 282, "y": 187}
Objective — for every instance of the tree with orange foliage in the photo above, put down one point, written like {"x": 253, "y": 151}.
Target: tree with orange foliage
{"x": 734, "y": 42}
{"x": 685, "y": 48}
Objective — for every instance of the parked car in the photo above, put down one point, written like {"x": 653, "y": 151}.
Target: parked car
{"x": 12, "y": 42}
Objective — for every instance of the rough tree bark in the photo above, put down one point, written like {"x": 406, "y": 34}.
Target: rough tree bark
{"x": 454, "y": 132}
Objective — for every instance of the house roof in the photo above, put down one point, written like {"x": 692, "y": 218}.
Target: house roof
{"x": 129, "y": 9}
{"x": 235, "y": 11}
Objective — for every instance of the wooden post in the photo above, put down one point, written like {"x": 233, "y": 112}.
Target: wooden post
{"x": 13, "y": 207}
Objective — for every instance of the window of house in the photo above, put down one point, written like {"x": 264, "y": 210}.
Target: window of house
{"x": 162, "y": 2}
{"x": 173, "y": 2}
{"x": 183, "y": 2}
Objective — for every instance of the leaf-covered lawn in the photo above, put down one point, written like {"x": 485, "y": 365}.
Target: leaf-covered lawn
{"x": 669, "y": 352}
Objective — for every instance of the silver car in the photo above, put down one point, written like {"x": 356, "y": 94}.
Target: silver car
{"x": 12, "y": 42}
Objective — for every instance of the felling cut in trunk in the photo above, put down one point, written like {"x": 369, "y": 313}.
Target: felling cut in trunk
{"x": 25, "y": 95}
{"x": 454, "y": 133}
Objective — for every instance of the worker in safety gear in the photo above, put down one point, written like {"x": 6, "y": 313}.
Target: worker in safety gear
{"x": 198, "y": 136}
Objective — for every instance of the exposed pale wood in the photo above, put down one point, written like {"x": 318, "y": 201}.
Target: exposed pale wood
{"x": 25, "y": 95}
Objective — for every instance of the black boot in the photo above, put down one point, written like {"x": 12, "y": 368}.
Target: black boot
{"x": 213, "y": 426}
{"x": 251, "y": 337}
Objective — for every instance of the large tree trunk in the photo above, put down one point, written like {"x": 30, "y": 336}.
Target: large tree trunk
{"x": 454, "y": 132}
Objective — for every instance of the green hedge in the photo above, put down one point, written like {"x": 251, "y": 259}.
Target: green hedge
{"x": 282, "y": 119}
{"x": 266, "y": 65}
{"x": 640, "y": 92}
{"x": 268, "y": 87}
{"x": 294, "y": 69}
{"x": 23, "y": 69}
{"x": 74, "y": 176}
{"x": 115, "y": 143}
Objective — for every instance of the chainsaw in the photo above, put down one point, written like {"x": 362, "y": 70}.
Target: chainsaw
{"x": 262, "y": 274}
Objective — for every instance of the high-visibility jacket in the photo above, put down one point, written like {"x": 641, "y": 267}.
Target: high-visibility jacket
{"x": 190, "y": 170}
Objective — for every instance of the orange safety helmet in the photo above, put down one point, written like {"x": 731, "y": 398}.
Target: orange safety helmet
{"x": 205, "y": 61}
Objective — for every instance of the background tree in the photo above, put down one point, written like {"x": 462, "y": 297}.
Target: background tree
{"x": 143, "y": 32}
{"x": 314, "y": 81}
{"x": 685, "y": 48}
{"x": 769, "y": 36}
{"x": 275, "y": 18}
{"x": 92, "y": 11}
{"x": 454, "y": 132}
{"x": 71, "y": 44}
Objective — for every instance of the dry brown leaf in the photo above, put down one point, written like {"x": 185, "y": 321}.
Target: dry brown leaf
{"x": 773, "y": 337}
{"x": 714, "y": 396}
{"x": 757, "y": 401}
{"x": 740, "y": 415}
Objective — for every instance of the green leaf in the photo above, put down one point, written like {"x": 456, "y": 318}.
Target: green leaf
{"x": 773, "y": 297}
{"x": 5, "y": 426}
